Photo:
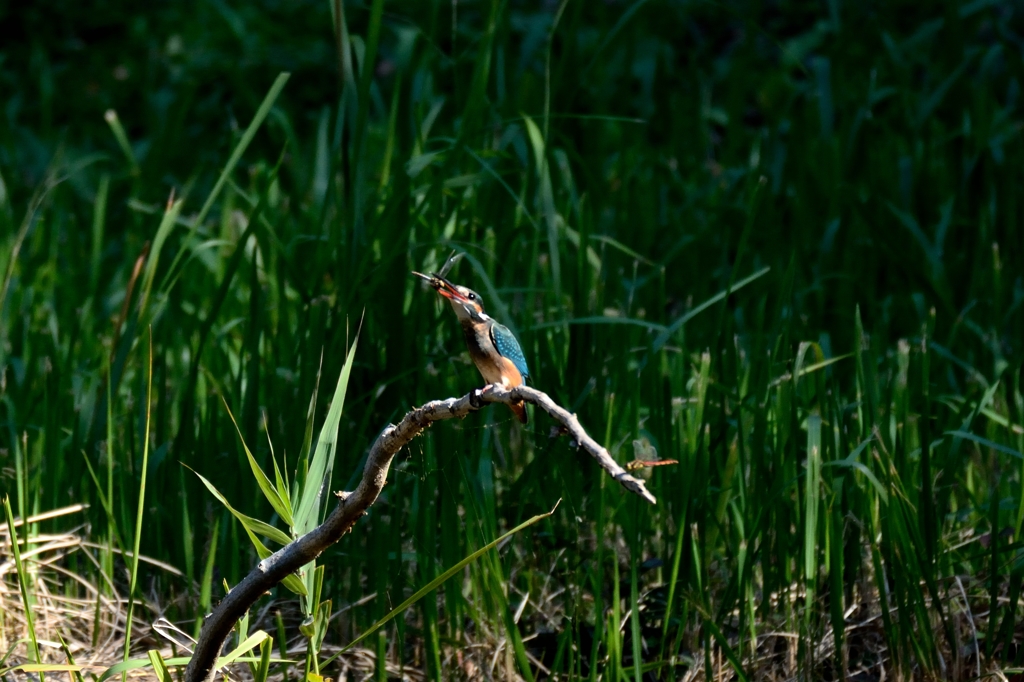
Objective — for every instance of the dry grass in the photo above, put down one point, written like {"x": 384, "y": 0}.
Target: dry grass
{"x": 84, "y": 615}
{"x": 87, "y": 611}
{"x": 78, "y": 613}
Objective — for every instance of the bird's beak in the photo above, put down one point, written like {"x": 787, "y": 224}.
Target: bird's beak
{"x": 443, "y": 287}
{"x": 448, "y": 290}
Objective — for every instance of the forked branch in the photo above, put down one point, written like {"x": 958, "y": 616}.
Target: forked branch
{"x": 352, "y": 505}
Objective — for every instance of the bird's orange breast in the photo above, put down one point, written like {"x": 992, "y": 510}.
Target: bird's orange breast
{"x": 510, "y": 374}
{"x": 497, "y": 369}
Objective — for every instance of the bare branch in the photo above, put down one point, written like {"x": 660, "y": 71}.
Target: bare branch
{"x": 567, "y": 419}
{"x": 352, "y": 505}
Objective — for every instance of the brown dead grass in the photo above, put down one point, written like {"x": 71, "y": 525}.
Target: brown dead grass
{"x": 87, "y": 613}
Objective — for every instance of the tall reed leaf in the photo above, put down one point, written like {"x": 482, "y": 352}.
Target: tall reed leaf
{"x": 229, "y": 167}
{"x": 167, "y": 224}
{"x": 23, "y": 580}
{"x": 134, "y": 572}
{"x": 307, "y": 514}
{"x": 277, "y": 500}
{"x": 255, "y": 527}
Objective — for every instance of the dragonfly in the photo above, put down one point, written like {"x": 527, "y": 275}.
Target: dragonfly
{"x": 646, "y": 456}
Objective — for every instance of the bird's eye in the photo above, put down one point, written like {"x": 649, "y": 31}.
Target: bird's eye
{"x": 471, "y": 296}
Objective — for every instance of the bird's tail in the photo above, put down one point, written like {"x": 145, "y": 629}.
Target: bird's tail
{"x": 520, "y": 410}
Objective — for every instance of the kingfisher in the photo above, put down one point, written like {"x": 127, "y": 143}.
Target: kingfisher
{"x": 492, "y": 346}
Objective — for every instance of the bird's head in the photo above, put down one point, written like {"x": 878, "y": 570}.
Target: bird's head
{"x": 465, "y": 302}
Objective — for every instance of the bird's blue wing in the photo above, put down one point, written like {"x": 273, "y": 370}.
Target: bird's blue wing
{"x": 505, "y": 341}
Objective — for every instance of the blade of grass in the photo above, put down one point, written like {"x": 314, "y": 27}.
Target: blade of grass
{"x": 263, "y": 669}
{"x": 134, "y": 571}
{"x": 321, "y": 466}
{"x": 23, "y": 581}
{"x": 279, "y": 503}
{"x": 663, "y": 338}
{"x": 634, "y": 604}
{"x": 167, "y": 223}
{"x": 159, "y": 666}
{"x": 251, "y": 524}
{"x": 229, "y": 167}
{"x": 99, "y": 222}
{"x": 235, "y": 656}
{"x": 547, "y": 203}
{"x": 76, "y": 675}
{"x": 104, "y": 502}
{"x": 966, "y": 435}
{"x": 302, "y": 466}
{"x": 42, "y": 668}
{"x": 122, "y": 140}
{"x": 206, "y": 584}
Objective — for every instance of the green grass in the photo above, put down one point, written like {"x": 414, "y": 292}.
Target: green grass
{"x": 838, "y": 184}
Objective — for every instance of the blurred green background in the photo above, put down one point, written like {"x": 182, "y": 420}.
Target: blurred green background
{"x": 839, "y": 180}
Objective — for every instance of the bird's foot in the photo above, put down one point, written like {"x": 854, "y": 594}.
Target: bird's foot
{"x": 492, "y": 387}
{"x": 475, "y": 396}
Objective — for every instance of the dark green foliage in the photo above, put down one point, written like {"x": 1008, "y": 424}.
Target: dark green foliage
{"x": 843, "y": 177}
